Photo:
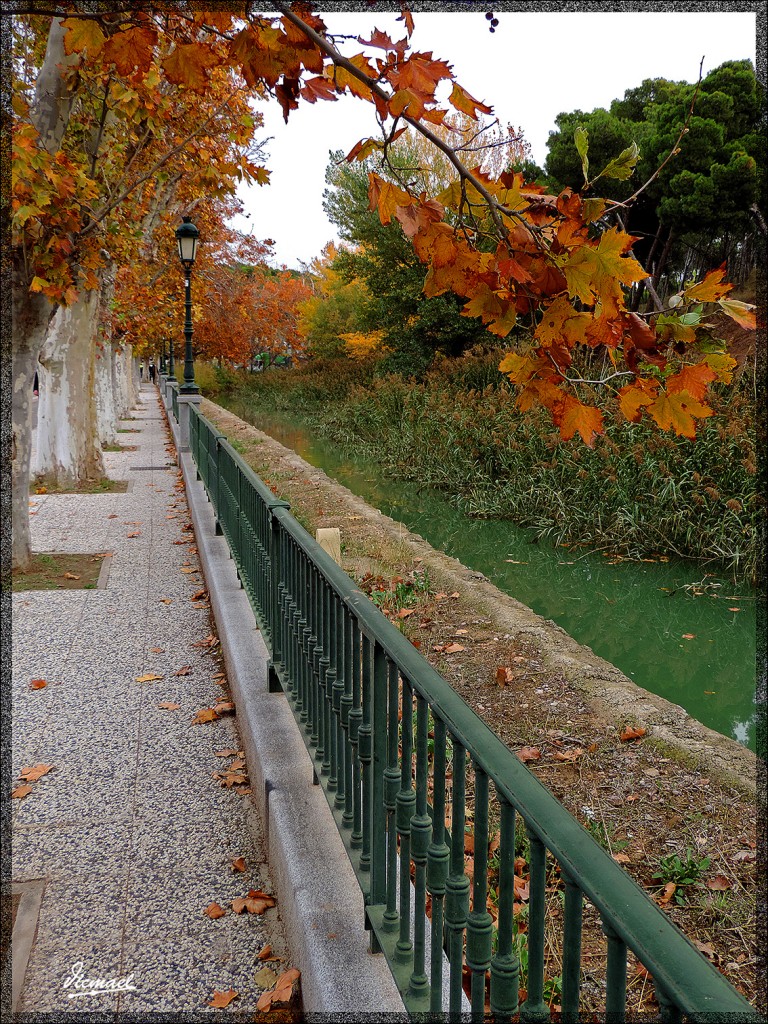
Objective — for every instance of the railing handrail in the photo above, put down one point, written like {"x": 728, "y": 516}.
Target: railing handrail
{"x": 637, "y": 921}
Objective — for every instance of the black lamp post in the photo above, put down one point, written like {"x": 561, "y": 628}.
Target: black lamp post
{"x": 187, "y": 235}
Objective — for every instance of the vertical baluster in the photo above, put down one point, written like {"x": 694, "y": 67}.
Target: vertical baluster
{"x": 378, "y": 765}
{"x": 325, "y": 689}
{"x": 355, "y": 720}
{"x": 391, "y": 920}
{"x": 406, "y": 802}
{"x": 457, "y": 886}
{"x": 421, "y": 829}
{"x": 438, "y": 857}
{"x": 534, "y": 1010}
{"x": 571, "y": 974}
{"x": 314, "y": 614}
{"x": 616, "y": 977}
{"x": 480, "y": 922}
{"x": 347, "y": 819}
{"x": 340, "y": 759}
{"x": 505, "y": 968}
{"x": 365, "y": 752}
{"x": 321, "y": 667}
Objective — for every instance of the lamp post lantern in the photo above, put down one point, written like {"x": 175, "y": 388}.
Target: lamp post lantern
{"x": 187, "y": 236}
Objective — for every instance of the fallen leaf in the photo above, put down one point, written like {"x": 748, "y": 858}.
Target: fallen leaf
{"x": 265, "y": 978}
{"x": 37, "y": 771}
{"x": 719, "y": 883}
{"x": 705, "y": 947}
{"x": 70, "y": 576}
{"x": 168, "y": 705}
{"x": 521, "y": 888}
{"x": 256, "y": 902}
{"x": 222, "y": 999}
{"x": 734, "y": 609}
{"x": 166, "y": 600}
{"x": 204, "y": 715}
{"x": 188, "y": 570}
{"x": 236, "y": 765}
{"x": 229, "y": 752}
{"x": 527, "y": 754}
{"x": 20, "y": 792}
{"x": 504, "y": 675}
{"x": 282, "y": 991}
{"x": 689, "y": 636}
{"x": 405, "y": 612}
{"x": 454, "y": 648}
{"x": 157, "y": 650}
{"x": 198, "y": 595}
{"x": 238, "y": 864}
{"x": 633, "y": 798}
{"x": 185, "y": 670}
{"x": 213, "y": 910}
{"x": 568, "y": 755}
{"x": 37, "y": 684}
{"x": 224, "y": 706}
{"x": 136, "y": 533}
{"x": 631, "y": 733}
{"x": 744, "y": 856}
{"x": 621, "y": 858}
{"x": 148, "y": 678}
{"x": 642, "y": 972}
{"x": 652, "y": 773}
{"x": 666, "y": 896}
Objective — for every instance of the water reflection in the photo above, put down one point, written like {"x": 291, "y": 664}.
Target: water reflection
{"x": 697, "y": 651}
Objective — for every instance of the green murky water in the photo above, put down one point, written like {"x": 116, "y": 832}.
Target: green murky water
{"x": 645, "y": 618}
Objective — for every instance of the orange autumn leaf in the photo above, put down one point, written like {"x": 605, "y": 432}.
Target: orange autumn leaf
{"x": 204, "y": 715}
{"x": 527, "y": 754}
{"x": 742, "y": 312}
{"x": 213, "y": 910}
{"x": 35, "y": 772}
{"x": 576, "y": 417}
{"x": 710, "y": 288}
{"x": 238, "y": 864}
{"x": 149, "y": 677}
{"x": 676, "y": 411}
{"x": 454, "y": 648}
{"x": 631, "y": 733}
{"x": 37, "y": 684}
{"x": 265, "y": 953}
{"x": 467, "y": 104}
{"x": 256, "y": 902}
{"x": 20, "y": 792}
{"x": 693, "y": 379}
{"x": 169, "y": 706}
{"x": 282, "y": 991}
{"x": 222, "y": 999}
{"x": 667, "y": 894}
{"x": 190, "y": 65}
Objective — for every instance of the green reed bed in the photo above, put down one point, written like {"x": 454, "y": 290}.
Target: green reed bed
{"x": 638, "y": 492}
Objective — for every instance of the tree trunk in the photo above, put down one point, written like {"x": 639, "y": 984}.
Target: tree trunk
{"x": 106, "y": 413}
{"x": 31, "y": 314}
{"x": 68, "y": 448}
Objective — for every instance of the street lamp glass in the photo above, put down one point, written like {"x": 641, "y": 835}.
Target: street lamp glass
{"x": 186, "y": 236}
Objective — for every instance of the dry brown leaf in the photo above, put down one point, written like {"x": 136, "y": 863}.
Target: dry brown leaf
{"x": 37, "y": 771}
{"x": 185, "y": 670}
{"x": 222, "y": 999}
{"x": 166, "y": 600}
{"x": 229, "y": 752}
{"x": 70, "y": 576}
{"x": 213, "y": 910}
{"x": 148, "y": 678}
{"x": 454, "y": 648}
{"x": 198, "y": 595}
{"x": 20, "y": 792}
{"x": 238, "y": 864}
{"x": 265, "y": 979}
{"x": 157, "y": 650}
{"x": 568, "y": 755}
{"x": 282, "y": 991}
{"x": 621, "y": 858}
{"x": 666, "y": 896}
{"x": 405, "y": 612}
{"x": 223, "y": 707}
{"x": 184, "y": 569}
{"x": 504, "y": 675}
{"x": 136, "y": 533}
{"x": 521, "y": 888}
{"x": 706, "y": 948}
{"x": 256, "y": 902}
{"x": 527, "y": 754}
{"x": 631, "y": 733}
{"x": 264, "y": 953}
{"x": 718, "y": 883}
{"x": 168, "y": 705}
{"x": 204, "y": 715}
{"x": 37, "y": 684}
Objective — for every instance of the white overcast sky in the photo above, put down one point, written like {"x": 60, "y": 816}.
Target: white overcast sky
{"x": 535, "y": 66}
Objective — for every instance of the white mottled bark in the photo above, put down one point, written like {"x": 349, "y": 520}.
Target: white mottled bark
{"x": 104, "y": 394}
{"x": 68, "y": 448}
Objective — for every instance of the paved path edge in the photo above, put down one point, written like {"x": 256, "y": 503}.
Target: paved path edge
{"x": 319, "y": 897}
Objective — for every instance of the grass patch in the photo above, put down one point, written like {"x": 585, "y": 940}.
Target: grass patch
{"x": 104, "y": 485}
{"x": 58, "y": 572}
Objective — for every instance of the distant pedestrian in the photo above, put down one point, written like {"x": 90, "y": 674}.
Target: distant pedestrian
{"x": 141, "y": 371}
{"x": 152, "y": 372}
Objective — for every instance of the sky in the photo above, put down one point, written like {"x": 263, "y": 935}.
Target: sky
{"x": 534, "y": 67}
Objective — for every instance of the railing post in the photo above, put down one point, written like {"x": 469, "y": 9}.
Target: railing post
{"x": 275, "y": 667}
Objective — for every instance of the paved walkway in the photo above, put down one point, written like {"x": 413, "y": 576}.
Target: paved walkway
{"x": 128, "y": 837}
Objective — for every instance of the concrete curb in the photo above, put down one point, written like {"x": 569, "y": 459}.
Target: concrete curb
{"x": 318, "y": 894}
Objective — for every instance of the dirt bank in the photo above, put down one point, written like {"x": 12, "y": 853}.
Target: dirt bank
{"x": 679, "y": 788}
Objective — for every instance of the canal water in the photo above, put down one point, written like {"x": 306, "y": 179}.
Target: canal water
{"x": 669, "y": 626}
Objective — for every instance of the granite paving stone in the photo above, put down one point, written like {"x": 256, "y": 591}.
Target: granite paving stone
{"x": 129, "y": 831}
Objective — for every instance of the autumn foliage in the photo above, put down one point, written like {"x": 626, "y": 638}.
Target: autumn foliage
{"x": 558, "y": 264}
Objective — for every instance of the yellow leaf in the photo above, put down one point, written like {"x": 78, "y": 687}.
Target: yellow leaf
{"x": 742, "y": 312}
{"x": 677, "y": 411}
{"x": 710, "y": 289}
{"x": 148, "y": 678}
{"x": 82, "y": 34}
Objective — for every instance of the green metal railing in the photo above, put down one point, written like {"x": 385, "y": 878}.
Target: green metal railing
{"x": 409, "y": 770}
{"x": 175, "y": 399}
